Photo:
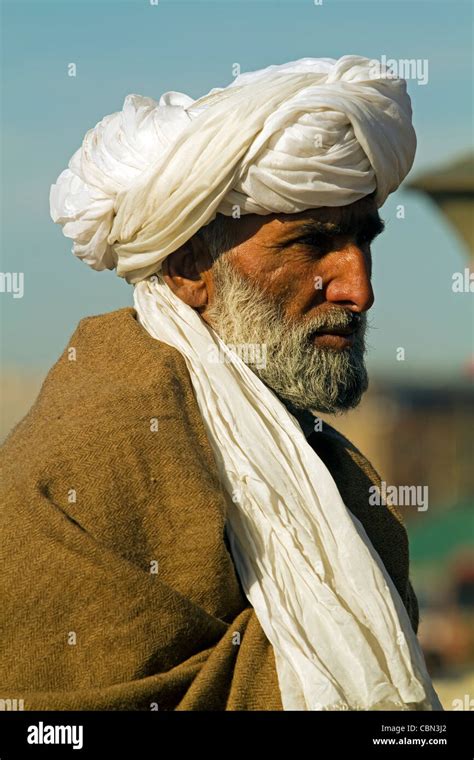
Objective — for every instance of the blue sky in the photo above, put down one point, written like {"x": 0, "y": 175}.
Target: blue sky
{"x": 131, "y": 46}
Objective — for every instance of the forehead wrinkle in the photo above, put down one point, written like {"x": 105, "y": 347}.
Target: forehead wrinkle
{"x": 371, "y": 224}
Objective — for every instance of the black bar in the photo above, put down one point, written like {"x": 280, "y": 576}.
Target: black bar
{"x": 154, "y": 734}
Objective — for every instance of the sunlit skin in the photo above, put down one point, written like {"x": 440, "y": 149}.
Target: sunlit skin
{"x": 285, "y": 255}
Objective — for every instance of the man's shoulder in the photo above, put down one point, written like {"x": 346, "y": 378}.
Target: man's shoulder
{"x": 115, "y": 346}
{"x": 120, "y": 334}
{"x": 110, "y": 373}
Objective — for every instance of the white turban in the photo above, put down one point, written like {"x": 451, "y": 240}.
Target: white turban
{"x": 284, "y": 139}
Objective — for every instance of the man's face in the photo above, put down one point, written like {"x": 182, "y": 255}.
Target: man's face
{"x": 299, "y": 285}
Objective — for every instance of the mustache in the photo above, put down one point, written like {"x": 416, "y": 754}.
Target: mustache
{"x": 336, "y": 319}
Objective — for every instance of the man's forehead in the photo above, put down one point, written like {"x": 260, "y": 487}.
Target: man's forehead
{"x": 337, "y": 215}
{"x": 279, "y": 225}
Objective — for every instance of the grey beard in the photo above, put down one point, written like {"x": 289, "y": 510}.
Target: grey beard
{"x": 306, "y": 376}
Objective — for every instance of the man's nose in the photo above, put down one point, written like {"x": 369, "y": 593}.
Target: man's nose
{"x": 350, "y": 283}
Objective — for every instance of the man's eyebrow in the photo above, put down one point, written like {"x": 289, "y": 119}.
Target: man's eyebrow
{"x": 367, "y": 228}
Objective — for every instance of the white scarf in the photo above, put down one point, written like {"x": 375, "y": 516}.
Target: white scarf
{"x": 340, "y": 632}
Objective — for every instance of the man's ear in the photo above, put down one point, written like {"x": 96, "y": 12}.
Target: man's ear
{"x": 186, "y": 272}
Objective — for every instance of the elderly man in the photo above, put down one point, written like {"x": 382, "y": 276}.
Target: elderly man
{"x": 181, "y": 532}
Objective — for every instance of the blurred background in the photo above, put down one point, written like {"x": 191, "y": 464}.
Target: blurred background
{"x": 66, "y": 65}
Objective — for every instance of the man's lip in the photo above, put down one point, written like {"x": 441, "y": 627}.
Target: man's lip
{"x": 345, "y": 331}
{"x": 333, "y": 339}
